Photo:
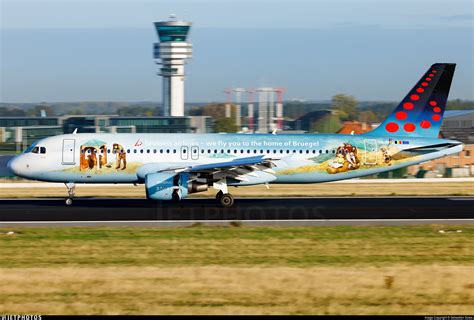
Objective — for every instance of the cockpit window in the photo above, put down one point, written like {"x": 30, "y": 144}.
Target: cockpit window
{"x": 35, "y": 150}
{"x": 43, "y": 150}
{"x": 30, "y": 148}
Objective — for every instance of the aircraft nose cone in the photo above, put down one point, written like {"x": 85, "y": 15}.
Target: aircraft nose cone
{"x": 14, "y": 166}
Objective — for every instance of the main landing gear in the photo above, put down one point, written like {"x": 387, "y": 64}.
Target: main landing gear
{"x": 70, "y": 190}
{"x": 223, "y": 197}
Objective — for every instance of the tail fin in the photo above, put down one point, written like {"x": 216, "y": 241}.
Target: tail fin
{"x": 421, "y": 112}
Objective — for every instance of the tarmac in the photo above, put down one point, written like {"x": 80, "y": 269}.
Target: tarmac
{"x": 347, "y": 211}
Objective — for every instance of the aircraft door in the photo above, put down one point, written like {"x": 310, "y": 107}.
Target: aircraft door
{"x": 194, "y": 153}
{"x": 69, "y": 147}
{"x": 184, "y": 153}
{"x": 370, "y": 155}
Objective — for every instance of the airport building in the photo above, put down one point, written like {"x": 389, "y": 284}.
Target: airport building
{"x": 457, "y": 125}
{"x": 17, "y": 133}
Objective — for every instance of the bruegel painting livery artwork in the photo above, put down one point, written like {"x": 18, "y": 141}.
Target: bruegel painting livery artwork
{"x": 172, "y": 166}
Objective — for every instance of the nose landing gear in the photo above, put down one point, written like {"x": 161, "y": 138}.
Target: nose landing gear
{"x": 71, "y": 192}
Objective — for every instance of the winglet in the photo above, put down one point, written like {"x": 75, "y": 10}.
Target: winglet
{"x": 75, "y": 131}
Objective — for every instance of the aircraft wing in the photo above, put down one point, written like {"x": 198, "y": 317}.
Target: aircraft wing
{"x": 239, "y": 169}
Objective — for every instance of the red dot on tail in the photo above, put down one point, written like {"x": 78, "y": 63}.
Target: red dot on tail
{"x": 420, "y": 90}
{"x": 433, "y": 103}
{"x": 401, "y": 115}
{"x": 424, "y": 84}
{"x": 391, "y": 127}
{"x": 409, "y": 127}
{"x": 408, "y": 105}
{"x": 434, "y": 71}
{"x": 436, "y": 117}
{"x": 415, "y": 97}
{"x": 428, "y": 79}
{"x": 431, "y": 75}
{"x": 437, "y": 109}
{"x": 425, "y": 124}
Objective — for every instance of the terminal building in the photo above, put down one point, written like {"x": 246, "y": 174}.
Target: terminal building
{"x": 17, "y": 133}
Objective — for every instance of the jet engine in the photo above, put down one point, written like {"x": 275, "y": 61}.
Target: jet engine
{"x": 172, "y": 186}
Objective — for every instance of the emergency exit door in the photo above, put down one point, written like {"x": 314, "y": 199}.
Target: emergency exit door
{"x": 69, "y": 147}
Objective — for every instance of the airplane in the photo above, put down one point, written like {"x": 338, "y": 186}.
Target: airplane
{"x": 173, "y": 166}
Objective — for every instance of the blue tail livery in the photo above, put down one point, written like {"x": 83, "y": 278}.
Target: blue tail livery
{"x": 421, "y": 111}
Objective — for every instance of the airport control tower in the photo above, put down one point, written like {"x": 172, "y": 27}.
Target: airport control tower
{"x": 171, "y": 53}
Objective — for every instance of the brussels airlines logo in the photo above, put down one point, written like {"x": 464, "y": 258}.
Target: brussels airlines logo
{"x": 138, "y": 143}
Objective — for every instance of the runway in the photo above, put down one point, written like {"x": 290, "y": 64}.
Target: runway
{"x": 248, "y": 211}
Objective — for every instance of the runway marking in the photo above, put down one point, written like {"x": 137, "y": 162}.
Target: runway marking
{"x": 228, "y": 221}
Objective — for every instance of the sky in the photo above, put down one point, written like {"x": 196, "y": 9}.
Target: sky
{"x": 102, "y": 50}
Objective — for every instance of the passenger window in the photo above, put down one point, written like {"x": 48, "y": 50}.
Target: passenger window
{"x": 128, "y": 150}
{"x": 141, "y": 150}
{"x": 147, "y": 150}
{"x": 135, "y": 151}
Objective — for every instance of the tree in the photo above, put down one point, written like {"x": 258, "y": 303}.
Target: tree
{"x": 225, "y": 125}
{"x": 367, "y": 116}
{"x": 217, "y": 112}
{"x": 346, "y": 106}
{"x": 36, "y": 111}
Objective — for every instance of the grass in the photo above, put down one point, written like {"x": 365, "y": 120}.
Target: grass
{"x": 238, "y": 270}
{"x": 277, "y": 190}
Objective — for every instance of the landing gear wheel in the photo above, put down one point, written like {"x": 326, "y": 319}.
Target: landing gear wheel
{"x": 68, "y": 201}
{"x": 219, "y": 195}
{"x": 226, "y": 200}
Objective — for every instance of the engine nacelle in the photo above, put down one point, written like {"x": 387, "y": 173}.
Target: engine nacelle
{"x": 171, "y": 186}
